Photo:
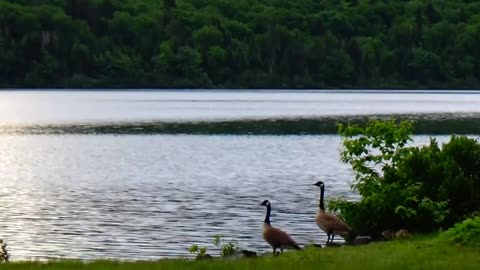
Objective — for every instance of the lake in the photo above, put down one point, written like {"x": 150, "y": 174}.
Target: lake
{"x": 149, "y": 196}
{"x": 54, "y": 107}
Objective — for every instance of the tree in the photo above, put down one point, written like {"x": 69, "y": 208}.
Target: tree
{"x": 245, "y": 43}
{"x": 206, "y": 37}
{"x": 169, "y": 4}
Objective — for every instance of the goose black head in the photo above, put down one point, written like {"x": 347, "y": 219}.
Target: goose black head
{"x": 265, "y": 203}
{"x": 319, "y": 184}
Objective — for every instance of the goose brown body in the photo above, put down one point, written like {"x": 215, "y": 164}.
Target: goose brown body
{"x": 274, "y": 236}
{"x": 330, "y": 223}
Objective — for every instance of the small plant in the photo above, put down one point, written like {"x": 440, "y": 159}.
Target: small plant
{"x": 226, "y": 249}
{"x": 4, "y": 255}
{"x": 200, "y": 251}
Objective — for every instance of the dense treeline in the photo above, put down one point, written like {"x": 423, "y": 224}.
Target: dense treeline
{"x": 240, "y": 43}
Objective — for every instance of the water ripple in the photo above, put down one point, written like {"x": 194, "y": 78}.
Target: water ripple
{"x": 150, "y": 197}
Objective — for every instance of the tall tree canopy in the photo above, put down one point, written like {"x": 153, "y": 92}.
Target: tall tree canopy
{"x": 240, "y": 43}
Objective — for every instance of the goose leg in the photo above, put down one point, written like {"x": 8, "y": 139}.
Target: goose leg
{"x": 328, "y": 239}
{"x": 281, "y": 250}
{"x": 274, "y": 251}
{"x": 331, "y": 240}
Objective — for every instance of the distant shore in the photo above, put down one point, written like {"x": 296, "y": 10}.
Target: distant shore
{"x": 239, "y": 44}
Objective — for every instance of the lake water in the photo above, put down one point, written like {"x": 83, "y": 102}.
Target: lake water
{"x": 44, "y": 107}
{"x": 151, "y": 196}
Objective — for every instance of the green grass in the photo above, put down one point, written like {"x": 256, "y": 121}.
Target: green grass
{"x": 417, "y": 253}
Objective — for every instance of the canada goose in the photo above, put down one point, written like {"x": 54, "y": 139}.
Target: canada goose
{"x": 274, "y": 236}
{"x": 330, "y": 223}
{"x": 402, "y": 234}
{"x": 388, "y": 234}
{"x": 391, "y": 234}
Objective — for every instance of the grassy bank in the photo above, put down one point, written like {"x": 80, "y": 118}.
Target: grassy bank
{"x": 417, "y": 253}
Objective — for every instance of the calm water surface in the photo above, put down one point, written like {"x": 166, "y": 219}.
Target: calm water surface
{"x": 47, "y": 107}
{"x": 152, "y": 196}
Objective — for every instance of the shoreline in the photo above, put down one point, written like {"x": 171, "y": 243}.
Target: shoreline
{"x": 425, "y": 252}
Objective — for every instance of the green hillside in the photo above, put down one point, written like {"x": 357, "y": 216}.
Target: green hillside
{"x": 240, "y": 43}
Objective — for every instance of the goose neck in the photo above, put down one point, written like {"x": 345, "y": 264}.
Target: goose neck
{"x": 267, "y": 216}
{"x": 322, "y": 192}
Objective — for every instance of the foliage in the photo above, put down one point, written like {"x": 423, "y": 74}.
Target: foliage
{"x": 4, "y": 254}
{"x": 200, "y": 251}
{"x": 226, "y": 249}
{"x": 240, "y": 43}
{"x": 405, "y": 187}
{"x": 417, "y": 253}
{"x": 466, "y": 232}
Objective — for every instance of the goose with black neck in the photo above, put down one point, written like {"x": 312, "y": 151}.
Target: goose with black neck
{"x": 329, "y": 222}
{"x": 275, "y": 237}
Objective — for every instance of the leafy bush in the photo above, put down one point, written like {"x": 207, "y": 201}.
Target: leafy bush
{"x": 466, "y": 232}
{"x": 416, "y": 188}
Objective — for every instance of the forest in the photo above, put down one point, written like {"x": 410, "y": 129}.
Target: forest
{"x": 298, "y": 44}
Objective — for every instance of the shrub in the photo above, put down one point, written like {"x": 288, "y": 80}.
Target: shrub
{"x": 466, "y": 232}
{"x": 200, "y": 251}
{"x": 4, "y": 254}
{"x": 417, "y": 188}
{"x": 226, "y": 249}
